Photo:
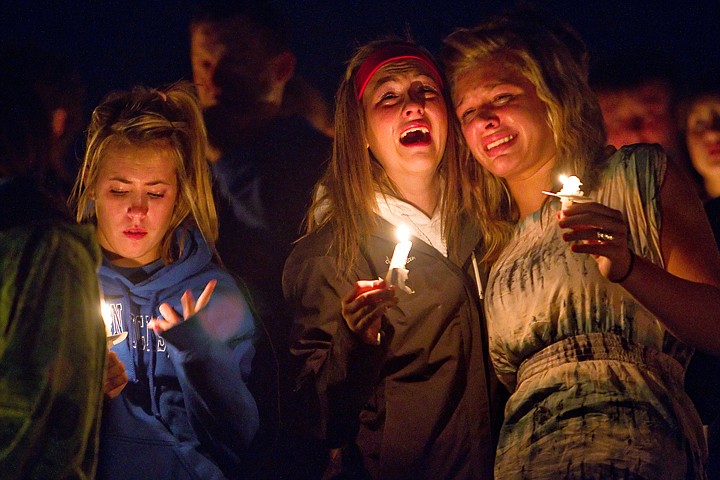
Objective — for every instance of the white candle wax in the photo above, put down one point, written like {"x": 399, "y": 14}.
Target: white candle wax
{"x": 397, "y": 273}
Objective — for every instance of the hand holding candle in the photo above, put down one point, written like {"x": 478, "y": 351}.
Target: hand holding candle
{"x": 363, "y": 309}
{"x": 397, "y": 273}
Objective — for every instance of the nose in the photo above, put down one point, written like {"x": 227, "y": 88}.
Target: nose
{"x": 204, "y": 78}
{"x": 489, "y": 118}
{"x": 138, "y": 207}
{"x": 415, "y": 100}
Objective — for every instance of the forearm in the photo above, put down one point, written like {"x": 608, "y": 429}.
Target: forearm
{"x": 210, "y": 373}
{"x": 690, "y": 310}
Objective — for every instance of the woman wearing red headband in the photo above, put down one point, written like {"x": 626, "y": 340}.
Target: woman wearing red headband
{"x": 398, "y": 372}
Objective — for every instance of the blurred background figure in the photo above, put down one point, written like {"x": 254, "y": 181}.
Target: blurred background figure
{"x": 265, "y": 162}
{"x": 636, "y": 91}
{"x": 699, "y": 126}
{"x": 62, "y": 93}
{"x": 52, "y": 359}
{"x": 266, "y": 157}
{"x": 303, "y": 98}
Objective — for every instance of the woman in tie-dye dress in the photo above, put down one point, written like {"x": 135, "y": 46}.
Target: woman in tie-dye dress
{"x": 593, "y": 308}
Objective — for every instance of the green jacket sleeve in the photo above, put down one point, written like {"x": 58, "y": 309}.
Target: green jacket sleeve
{"x": 52, "y": 352}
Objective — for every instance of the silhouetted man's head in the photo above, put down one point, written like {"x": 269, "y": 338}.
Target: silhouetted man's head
{"x": 240, "y": 54}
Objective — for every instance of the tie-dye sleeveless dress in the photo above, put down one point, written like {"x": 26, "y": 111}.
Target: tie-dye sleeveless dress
{"x": 597, "y": 380}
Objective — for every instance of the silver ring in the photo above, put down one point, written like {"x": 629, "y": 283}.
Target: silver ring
{"x": 604, "y": 236}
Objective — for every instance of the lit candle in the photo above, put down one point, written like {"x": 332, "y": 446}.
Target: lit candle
{"x": 402, "y": 249}
{"x": 397, "y": 273}
{"x": 570, "y": 189}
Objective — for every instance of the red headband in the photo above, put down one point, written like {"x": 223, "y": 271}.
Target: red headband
{"x": 390, "y": 54}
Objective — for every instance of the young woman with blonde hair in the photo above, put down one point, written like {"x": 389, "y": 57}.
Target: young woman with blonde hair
{"x": 186, "y": 411}
{"x": 590, "y": 306}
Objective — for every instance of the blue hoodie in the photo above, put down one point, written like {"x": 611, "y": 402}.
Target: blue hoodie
{"x": 186, "y": 411}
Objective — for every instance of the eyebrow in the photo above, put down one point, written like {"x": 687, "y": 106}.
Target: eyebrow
{"x": 391, "y": 77}
{"x": 487, "y": 87}
{"x": 151, "y": 183}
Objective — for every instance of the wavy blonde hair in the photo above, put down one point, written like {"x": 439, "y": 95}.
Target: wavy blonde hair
{"x": 346, "y": 193}
{"x": 553, "y": 57}
{"x": 167, "y": 118}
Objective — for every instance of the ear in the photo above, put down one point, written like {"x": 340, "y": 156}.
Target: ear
{"x": 282, "y": 67}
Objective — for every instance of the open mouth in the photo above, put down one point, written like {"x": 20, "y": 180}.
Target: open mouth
{"x": 415, "y": 136}
{"x": 497, "y": 143}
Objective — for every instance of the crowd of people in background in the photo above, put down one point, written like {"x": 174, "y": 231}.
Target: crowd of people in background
{"x": 204, "y": 279}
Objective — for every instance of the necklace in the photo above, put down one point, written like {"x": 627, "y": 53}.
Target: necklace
{"x": 438, "y": 244}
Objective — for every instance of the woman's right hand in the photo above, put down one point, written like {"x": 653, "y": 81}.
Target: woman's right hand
{"x": 363, "y": 308}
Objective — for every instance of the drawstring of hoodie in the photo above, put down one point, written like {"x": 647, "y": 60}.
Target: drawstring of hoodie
{"x": 152, "y": 343}
{"x": 131, "y": 340}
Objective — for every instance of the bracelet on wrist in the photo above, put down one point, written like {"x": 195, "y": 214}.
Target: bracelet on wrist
{"x": 629, "y": 270}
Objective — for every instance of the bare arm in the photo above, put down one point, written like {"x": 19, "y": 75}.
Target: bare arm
{"x": 685, "y": 296}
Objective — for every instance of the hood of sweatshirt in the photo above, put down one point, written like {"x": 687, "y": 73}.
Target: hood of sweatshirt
{"x": 132, "y": 305}
{"x": 195, "y": 256}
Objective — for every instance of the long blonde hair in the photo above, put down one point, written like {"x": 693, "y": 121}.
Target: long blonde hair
{"x": 345, "y": 195}
{"x": 554, "y": 59}
{"x": 168, "y": 118}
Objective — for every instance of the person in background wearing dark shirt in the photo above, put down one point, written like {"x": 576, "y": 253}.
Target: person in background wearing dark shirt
{"x": 265, "y": 160}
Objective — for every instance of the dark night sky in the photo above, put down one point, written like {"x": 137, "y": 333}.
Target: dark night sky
{"x": 116, "y": 44}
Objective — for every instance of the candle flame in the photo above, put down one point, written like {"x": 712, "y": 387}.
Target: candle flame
{"x": 402, "y": 233}
{"x": 570, "y": 185}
